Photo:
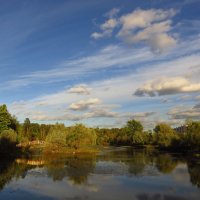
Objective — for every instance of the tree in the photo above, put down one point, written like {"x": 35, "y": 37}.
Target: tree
{"x": 8, "y": 139}
{"x": 35, "y": 131}
{"x": 79, "y": 136}
{"x": 134, "y": 126}
{"x": 7, "y": 121}
{"x": 5, "y": 118}
{"x": 57, "y": 136}
{"x": 140, "y": 138}
{"x": 193, "y": 134}
{"x": 44, "y": 130}
{"x": 10, "y": 135}
{"x": 27, "y": 128}
{"x": 164, "y": 135}
{"x": 14, "y": 124}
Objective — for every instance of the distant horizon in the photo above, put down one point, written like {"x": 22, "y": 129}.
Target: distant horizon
{"x": 101, "y": 63}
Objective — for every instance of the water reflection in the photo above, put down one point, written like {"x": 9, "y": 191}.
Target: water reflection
{"x": 165, "y": 163}
{"x": 194, "y": 171}
{"x": 136, "y": 174}
{"x": 10, "y": 169}
{"x": 76, "y": 168}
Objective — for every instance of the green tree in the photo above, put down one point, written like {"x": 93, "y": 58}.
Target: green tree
{"x": 10, "y": 135}
{"x": 57, "y": 136}
{"x": 27, "y": 129}
{"x": 140, "y": 138}
{"x": 79, "y": 136}
{"x": 35, "y": 131}
{"x": 5, "y": 118}
{"x": 44, "y": 130}
{"x": 134, "y": 126}
{"x": 192, "y": 137}
{"x": 164, "y": 135}
{"x": 14, "y": 124}
{"x": 8, "y": 140}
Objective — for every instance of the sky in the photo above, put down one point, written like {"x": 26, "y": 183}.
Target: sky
{"x": 101, "y": 62}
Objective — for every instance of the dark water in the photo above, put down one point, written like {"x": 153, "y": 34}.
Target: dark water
{"x": 117, "y": 173}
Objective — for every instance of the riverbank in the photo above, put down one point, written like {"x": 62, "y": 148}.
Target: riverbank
{"x": 41, "y": 147}
{"x": 29, "y": 149}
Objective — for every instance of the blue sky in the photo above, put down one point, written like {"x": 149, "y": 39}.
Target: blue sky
{"x": 101, "y": 62}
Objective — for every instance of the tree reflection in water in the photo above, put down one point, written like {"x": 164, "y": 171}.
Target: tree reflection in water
{"x": 194, "y": 171}
{"x": 165, "y": 163}
{"x": 10, "y": 169}
{"x": 77, "y": 168}
{"x": 158, "y": 197}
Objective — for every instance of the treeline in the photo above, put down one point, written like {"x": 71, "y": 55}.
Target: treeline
{"x": 55, "y": 137}
{"x": 163, "y": 136}
{"x": 58, "y": 137}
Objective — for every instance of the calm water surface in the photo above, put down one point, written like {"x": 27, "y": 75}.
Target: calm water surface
{"x": 116, "y": 173}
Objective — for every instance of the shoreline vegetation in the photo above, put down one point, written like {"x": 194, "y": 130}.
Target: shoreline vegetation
{"x": 28, "y": 138}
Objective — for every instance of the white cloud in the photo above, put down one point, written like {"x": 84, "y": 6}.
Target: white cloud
{"x": 80, "y": 89}
{"x": 167, "y": 86}
{"x": 84, "y": 104}
{"x": 151, "y": 26}
{"x": 106, "y": 33}
{"x": 143, "y": 18}
{"x": 109, "y": 24}
{"x": 112, "y": 13}
{"x": 106, "y": 29}
{"x": 160, "y": 42}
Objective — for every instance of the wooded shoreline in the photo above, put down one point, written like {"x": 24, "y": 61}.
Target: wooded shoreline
{"x": 25, "y": 138}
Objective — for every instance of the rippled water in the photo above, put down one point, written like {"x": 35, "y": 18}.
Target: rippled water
{"x": 116, "y": 173}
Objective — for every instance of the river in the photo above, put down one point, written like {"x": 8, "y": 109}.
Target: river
{"x": 120, "y": 173}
